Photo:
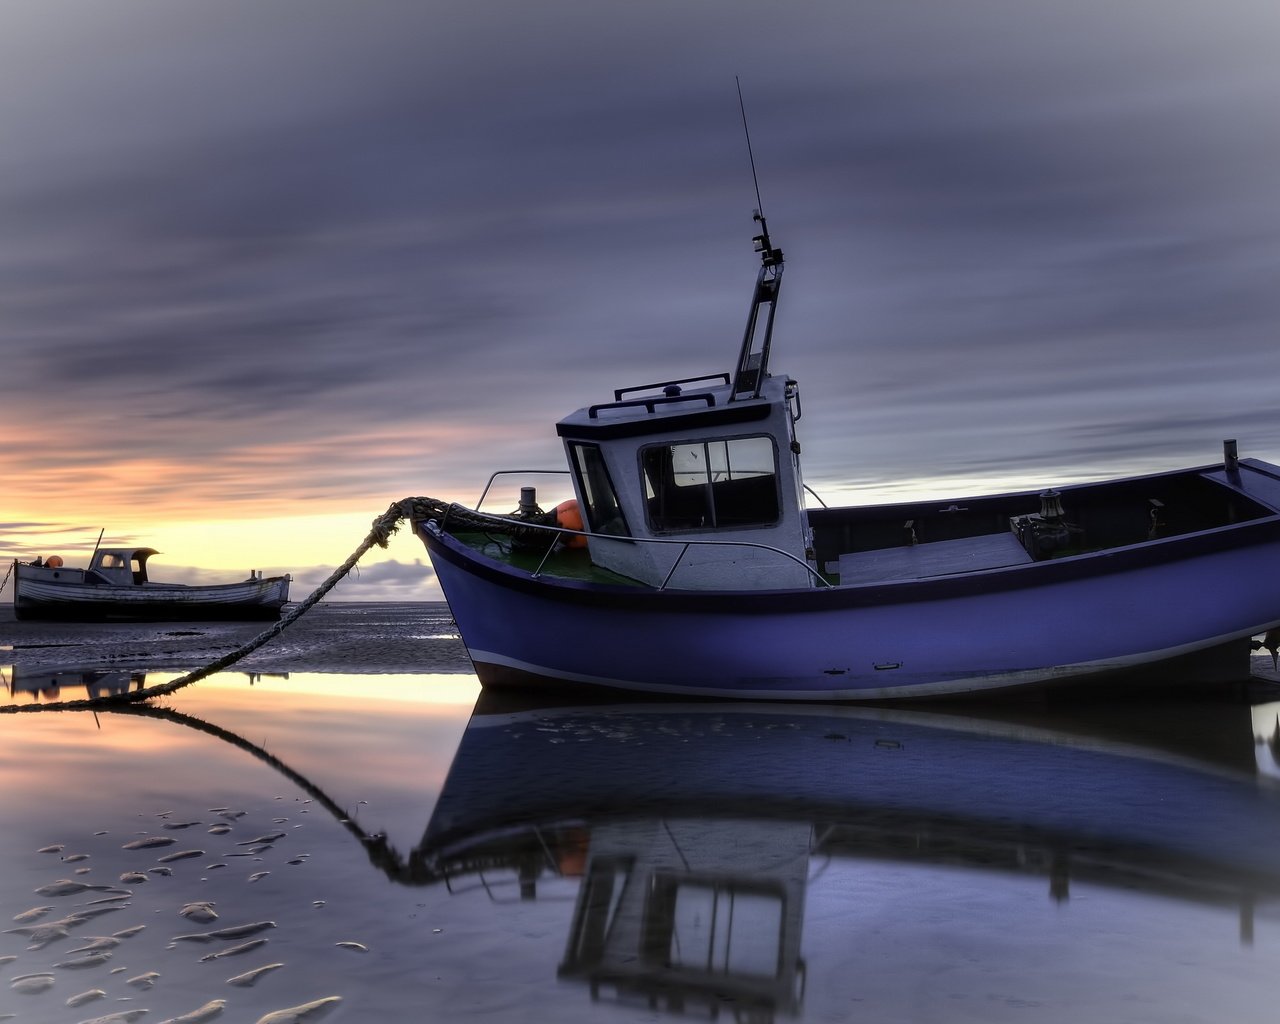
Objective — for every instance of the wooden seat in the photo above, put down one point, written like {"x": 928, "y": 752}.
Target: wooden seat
{"x": 941, "y": 558}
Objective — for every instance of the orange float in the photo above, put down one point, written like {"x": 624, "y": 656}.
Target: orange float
{"x": 569, "y": 517}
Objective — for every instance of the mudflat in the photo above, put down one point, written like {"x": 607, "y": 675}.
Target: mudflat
{"x": 330, "y": 637}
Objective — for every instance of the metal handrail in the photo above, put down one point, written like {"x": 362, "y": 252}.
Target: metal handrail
{"x": 513, "y": 472}
{"x": 685, "y": 543}
{"x": 651, "y": 404}
{"x": 723, "y": 378}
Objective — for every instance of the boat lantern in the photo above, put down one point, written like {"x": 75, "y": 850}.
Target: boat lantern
{"x": 1051, "y": 504}
{"x": 54, "y": 561}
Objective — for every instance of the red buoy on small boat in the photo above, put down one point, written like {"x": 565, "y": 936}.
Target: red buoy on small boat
{"x": 569, "y": 517}
{"x": 54, "y": 561}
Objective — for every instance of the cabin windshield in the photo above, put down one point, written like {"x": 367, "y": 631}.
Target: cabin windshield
{"x": 603, "y": 512}
{"x": 721, "y": 484}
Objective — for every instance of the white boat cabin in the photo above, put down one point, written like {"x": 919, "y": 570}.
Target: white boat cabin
{"x": 708, "y": 466}
{"x": 694, "y": 464}
{"x": 122, "y": 567}
{"x": 117, "y": 567}
{"x": 108, "y": 566}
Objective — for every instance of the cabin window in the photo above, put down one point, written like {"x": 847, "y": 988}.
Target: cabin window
{"x": 702, "y": 485}
{"x": 111, "y": 562}
{"x": 718, "y": 928}
{"x": 598, "y": 904}
{"x": 603, "y": 513}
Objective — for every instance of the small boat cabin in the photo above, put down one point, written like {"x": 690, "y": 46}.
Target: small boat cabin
{"x": 691, "y": 461}
{"x": 117, "y": 567}
{"x": 122, "y": 567}
{"x": 709, "y": 467}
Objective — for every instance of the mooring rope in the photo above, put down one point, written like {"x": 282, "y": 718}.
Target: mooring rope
{"x": 411, "y": 870}
{"x": 383, "y": 527}
{"x": 444, "y": 512}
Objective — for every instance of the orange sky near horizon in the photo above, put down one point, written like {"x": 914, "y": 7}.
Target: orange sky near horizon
{"x": 269, "y": 268}
{"x": 277, "y": 507}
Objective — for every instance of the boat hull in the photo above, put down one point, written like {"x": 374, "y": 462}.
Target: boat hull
{"x": 1067, "y": 620}
{"x": 49, "y": 599}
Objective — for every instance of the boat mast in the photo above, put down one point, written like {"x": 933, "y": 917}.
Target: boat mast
{"x": 753, "y": 359}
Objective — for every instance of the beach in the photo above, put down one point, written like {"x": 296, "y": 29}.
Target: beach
{"x": 330, "y": 637}
{"x": 345, "y": 828}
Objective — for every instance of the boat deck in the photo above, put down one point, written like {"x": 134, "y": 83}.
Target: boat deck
{"x": 563, "y": 563}
{"x": 941, "y": 558}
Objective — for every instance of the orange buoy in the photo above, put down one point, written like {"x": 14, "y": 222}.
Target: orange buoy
{"x": 54, "y": 561}
{"x": 569, "y": 517}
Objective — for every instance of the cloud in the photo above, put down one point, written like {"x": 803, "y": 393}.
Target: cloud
{"x": 299, "y": 255}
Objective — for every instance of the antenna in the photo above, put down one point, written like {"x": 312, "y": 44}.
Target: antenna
{"x": 750, "y": 155}
{"x": 769, "y": 256}
{"x": 753, "y": 359}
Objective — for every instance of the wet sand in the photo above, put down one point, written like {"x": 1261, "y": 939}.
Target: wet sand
{"x": 363, "y": 837}
{"x": 331, "y": 637}
{"x": 125, "y": 833}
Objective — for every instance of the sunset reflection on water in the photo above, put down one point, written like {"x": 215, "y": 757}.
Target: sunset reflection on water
{"x": 422, "y": 861}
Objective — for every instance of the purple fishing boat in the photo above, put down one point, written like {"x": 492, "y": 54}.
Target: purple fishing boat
{"x": 688, "y": 562}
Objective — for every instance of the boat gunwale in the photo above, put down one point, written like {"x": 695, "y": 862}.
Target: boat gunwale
{"x": 1112, "y": 561}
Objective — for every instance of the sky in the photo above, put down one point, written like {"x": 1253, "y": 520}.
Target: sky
{"x": 267, "y": 266}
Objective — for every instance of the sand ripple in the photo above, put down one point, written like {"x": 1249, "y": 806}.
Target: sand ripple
{"x": 298, "y": 1014}
{"x": 211, "y": 1009}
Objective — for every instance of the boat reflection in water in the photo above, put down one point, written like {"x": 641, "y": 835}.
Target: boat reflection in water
{"x": 67, "y": 684}
{"x": 754, "y": 862}
{"x": 697, "y": 829}
{"x": 28, "y": 685}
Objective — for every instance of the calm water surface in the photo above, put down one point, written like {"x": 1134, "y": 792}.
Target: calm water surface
{"x": 395, "y": 840}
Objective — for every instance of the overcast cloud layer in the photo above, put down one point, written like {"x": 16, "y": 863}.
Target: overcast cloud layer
{"x": 309, "y": 255}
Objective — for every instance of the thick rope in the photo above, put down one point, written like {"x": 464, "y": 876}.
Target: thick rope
{"x": 445, "y": 513}
{"x": 408, "y": 871}
{"x": 383, "y": 527}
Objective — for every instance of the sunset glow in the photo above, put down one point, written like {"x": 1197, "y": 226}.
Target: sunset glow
{"x": 269, "y": 270}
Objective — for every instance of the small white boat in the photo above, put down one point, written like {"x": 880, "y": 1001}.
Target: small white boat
{"x": 701, "y": 572}
{"x": 115, "y": 587}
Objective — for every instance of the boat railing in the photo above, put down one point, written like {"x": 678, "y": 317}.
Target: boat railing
{"x": 557, "y": 533}
{"x": 651, "y": 403}
{"x": 720, "y": 378}
{"x": 514, "y": 472}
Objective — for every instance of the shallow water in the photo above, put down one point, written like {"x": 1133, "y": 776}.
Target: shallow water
{"x": 615, "y": 862}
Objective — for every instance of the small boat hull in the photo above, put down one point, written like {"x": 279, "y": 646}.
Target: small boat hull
{"x": 39, "y": 595}
{"x": 1036, "y": 625}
